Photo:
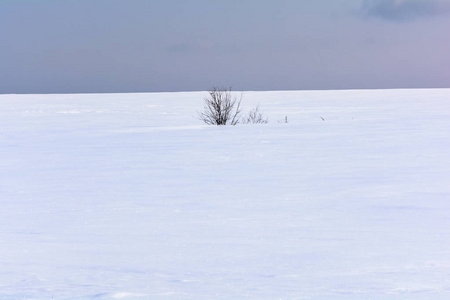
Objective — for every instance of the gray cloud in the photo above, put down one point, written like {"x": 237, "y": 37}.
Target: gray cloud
{"x": 179, "y": 48}
{"x": 52, "y": 46}
{"x": 405, "y": 10}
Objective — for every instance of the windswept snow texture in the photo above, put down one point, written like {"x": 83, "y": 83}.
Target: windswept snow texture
{"x": 129, "y": 196}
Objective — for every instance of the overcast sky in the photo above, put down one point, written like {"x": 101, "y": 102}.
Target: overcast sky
{"x": 78, "y": 46}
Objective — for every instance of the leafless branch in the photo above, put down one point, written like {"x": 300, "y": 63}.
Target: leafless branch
{"x": 221, "y": 108}
{"x": 255, "y": 117}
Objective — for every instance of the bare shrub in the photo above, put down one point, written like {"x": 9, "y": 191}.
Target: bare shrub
{"x": 221, "y": 108}
{"x": 255, "y": 117}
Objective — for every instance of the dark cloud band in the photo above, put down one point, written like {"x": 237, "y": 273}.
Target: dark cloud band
{"x": 405, "y": 10}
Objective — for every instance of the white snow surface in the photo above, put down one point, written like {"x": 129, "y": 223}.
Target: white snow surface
{"x": 130, "y": 196}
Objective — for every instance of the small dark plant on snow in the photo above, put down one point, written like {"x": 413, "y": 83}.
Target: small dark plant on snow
{"x": 285, "y": 120}
{"x": 221, "y": 108}
{"x": 255, "y": 117}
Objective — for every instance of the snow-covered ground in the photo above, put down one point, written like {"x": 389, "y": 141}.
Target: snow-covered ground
{"x": 129, "y": 196}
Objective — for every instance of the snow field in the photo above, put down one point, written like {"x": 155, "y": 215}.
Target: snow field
{"x": 129, "y": 196}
